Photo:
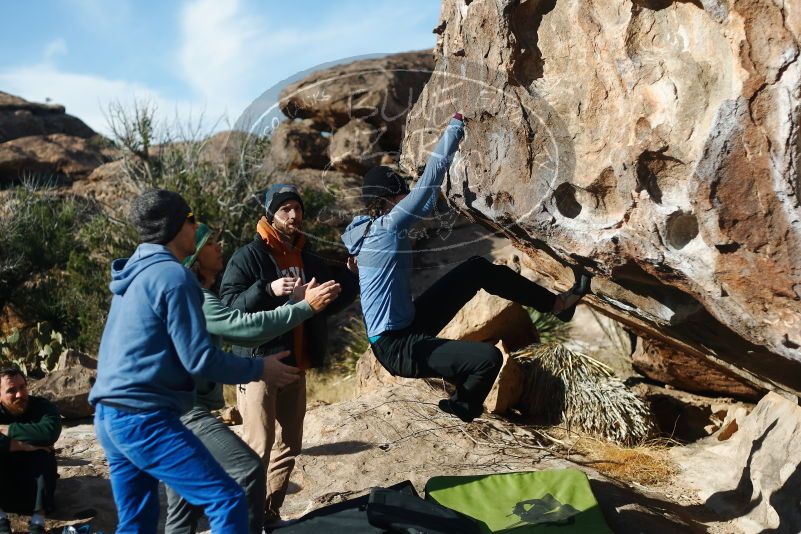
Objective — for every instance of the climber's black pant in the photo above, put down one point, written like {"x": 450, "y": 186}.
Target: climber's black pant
{"x": 416, "y": 352}
{"x": 27, "y": 481}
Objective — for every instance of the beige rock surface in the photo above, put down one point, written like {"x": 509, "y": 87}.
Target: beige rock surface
{"x": 384, "y": 437}
{"x": 55, "y": 157}
{"x": 68, "y": 389}
{"x": 751, "y": 474}
{"x": 492, "y": 319}
{"x": 508, "y": 387}
{"x": 654, "y": 143}
{"x": 380, "y": 91}
{"x": 355, "y": 148}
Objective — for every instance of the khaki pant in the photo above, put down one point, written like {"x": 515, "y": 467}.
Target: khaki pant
{"x": 261, "y": 407}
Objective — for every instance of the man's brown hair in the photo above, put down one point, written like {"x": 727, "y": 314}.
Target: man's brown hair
{"x": 11, "y": 372}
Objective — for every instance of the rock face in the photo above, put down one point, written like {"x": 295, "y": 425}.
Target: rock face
{"x": 41, "y": 141}
{"x": 53, "y": 157}
{"x": 686, "y": 417}
{"x": 68, "y": 386}
{"x": 379, "y": 91}
{"x": 20, "y": 118}
{"x": 654, "y": 143}
{"x": 509, "y": 387}
{"x": 297, "y": 145}
{"x": 491, "y": 319}
{"x": 751, "y": 474}
{"x": 665, "y": 364}
{"x": 355, "y": 148}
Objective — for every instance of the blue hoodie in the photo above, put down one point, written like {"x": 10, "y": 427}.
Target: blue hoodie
{"x": 155, "y": 339}
{"x": 384, "y": 252}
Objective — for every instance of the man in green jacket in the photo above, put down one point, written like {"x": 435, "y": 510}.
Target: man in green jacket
{"x": 29, "y": 426}
{"x": 245, "y": 329}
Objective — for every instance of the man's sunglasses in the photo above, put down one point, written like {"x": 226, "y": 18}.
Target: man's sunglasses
{"x": 191, "y": 217}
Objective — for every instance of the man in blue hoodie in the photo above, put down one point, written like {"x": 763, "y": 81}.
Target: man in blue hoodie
{"x": 154, "y": 343}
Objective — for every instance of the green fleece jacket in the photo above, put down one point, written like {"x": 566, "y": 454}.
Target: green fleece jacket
{"x": 39, "y": 425}
{"x": 243, "y": 329}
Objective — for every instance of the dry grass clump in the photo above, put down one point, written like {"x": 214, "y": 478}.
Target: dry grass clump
{"x": 329, "y": 387}
{"x": 581, "y": 393}
{"x": 648, "y": 464}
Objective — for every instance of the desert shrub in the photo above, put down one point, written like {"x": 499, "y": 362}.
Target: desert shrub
{"x": 56, "y": 249}
{"x": 582, "y": 393}
{"x": 54, "y": 272}
{"x": 221, "y": 177}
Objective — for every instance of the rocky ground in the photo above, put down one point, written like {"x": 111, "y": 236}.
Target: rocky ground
{"x": 393, "y": 434}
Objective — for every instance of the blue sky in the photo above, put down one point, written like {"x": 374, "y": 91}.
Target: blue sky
{"x": 190, "y": 57}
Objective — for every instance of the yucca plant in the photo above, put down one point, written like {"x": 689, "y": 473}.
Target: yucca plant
{"x": 570, "y": 388}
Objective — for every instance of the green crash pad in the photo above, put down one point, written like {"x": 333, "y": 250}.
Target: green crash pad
{"x": 554, "y": 501}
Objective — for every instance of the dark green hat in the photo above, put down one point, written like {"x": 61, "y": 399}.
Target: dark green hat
{"x": 202, "y": 234}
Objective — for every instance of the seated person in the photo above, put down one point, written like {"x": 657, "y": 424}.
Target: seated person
{"x": 29, "y": 426}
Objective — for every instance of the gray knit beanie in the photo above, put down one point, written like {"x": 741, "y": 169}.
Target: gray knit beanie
{"x": 275, "y": 197}
{"x": 158, "y": 215}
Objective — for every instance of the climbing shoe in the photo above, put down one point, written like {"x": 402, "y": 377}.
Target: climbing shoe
{"x": 572, "y": 296}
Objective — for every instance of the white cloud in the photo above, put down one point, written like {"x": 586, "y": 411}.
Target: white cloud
{"x": 230, "y": 55}
{"x": 84, "y": 95}
{"x": 57, "y": 47}
{"x": 219, "y": 43}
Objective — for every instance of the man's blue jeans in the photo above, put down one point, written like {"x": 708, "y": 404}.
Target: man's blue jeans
{"x": 145, "y": 447}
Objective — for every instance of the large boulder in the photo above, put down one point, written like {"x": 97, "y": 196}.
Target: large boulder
{"x": 68, "y": 386}
{"x": 371, "y": 375}
{"x": 489, "y": 318}
{"x": 109, "y": 185}
{"x": 355, "y": 148}
{"x": 509, "y": 387}
{"x": 687, "y": 417}
{"x": 297, "y": 145}
{"x": 380, "y": 91}
{"x": 751, "y": 473}
{"x": 665, "y": 364}
{"x": 653, "y": 143}
{"x": 20, "y": 118}
{"x": 56, "y": 158}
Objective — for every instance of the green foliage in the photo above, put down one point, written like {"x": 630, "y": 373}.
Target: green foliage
{"x": 85, "y": 294}
{"x": 549, "y": 328}
{"x": 56, "y": 252}
{"x": 34, "y": 350}
{"x": 349, "y": 343}
{"x": 323, "y": 236}
{"x": 221, "y": 177}
{"x": 36, "y": 236}
{"x": 56, "y": 249}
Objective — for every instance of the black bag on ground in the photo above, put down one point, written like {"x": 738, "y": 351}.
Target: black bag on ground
{"x": 349, "y": 516}
{"x": 405, "y": 513}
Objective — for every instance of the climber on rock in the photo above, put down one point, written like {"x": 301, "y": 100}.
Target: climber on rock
{"x": 403, "y": 330}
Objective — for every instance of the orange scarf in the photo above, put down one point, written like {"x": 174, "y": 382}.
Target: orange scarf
{"x": 290, "y": 263}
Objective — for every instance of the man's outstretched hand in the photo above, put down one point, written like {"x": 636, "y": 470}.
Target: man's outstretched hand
{"x": 277, "y": 374}
{"x": 321, "y": 295}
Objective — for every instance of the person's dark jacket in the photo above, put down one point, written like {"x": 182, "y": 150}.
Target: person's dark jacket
{"x": 245, "y": 284}
{"x": 39, "y": 425}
